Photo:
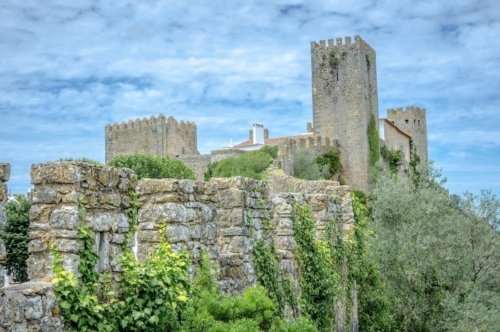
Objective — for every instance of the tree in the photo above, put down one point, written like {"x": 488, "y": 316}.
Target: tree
{"x": 16, "y": 237}
{"x": 440, "y": 256}
{"x": 332, "y": 159}
{"x": 154, "y": 167}
{"x": 305, "y": 166}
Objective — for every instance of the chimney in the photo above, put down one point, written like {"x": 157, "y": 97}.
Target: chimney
{"x": 258, "y": 133}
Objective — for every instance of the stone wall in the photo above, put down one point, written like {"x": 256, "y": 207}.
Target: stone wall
{"x": 68, "y": 195}
{"x": 223, "y": 216}
{"x": 4, "y": 177}
{"x": 30, "y": 306}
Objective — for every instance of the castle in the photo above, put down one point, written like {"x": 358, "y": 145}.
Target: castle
{"x": 345, "y": 98}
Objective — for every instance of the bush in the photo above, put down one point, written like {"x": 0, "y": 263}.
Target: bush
{"x": 16, "y": 237}
{"x": 153, "y": 167}
{"x": 251, "y": 164}
{"x": 332, "y": 160}
{"x": 305, "y": 166}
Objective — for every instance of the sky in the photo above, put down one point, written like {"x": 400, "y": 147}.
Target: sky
{"x": 68, "y": 68}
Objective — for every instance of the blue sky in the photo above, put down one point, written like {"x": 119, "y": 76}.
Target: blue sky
{"x": 68, "y": 68}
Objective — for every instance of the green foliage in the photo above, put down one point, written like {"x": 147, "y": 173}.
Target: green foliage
{"x": 251, "y": 164}
{"x": 208, "y": 310}
{"x": 368, "y": 63}
{"x": 270, "y": 150}
{"x": 152, "y": 293}
{"x": 81, "y": 160}
{"x": 332, "y": 160}
{"x": 318, "y": 278}
{"x": 439, "y": 256}
{"x": 373, "y": 140}
{"x": 132, "y": 215}
{"x": 16, "y": 237}
{"x": 305, "y": 166}
{"x": 154, "y": 167}
{"x": 392, "y": 158}
{"x": 332, "y": 60}
{"x": 210, "y": 170}
{"x": 375, "y": 312}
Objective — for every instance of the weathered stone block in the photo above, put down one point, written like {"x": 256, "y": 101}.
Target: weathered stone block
{"x": 64, "y": 173}
{"x": 177, "y": 233}
{"x": 66, "y": 217}
{"x": 4, "y": 172}
{"x": 3, "y": 192}
{"x": 231, "y": 198}
{"x": 44, "y": 195}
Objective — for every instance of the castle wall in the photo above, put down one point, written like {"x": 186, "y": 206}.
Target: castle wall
{"x": 4, "y": 177}
{"x": 412, "y": 121}
{"x": 224, "y": 216}
{"x": 68, "y": 195}
{"x": 317, "y": 144}
{"x": 156, "y": 136}
{"x": 199, "y": 163}
{"x": 344, "y": 88}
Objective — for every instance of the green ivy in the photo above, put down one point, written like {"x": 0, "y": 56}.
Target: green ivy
{"x": 318, "y": 279}
{"x": 332, "y": 60}
{"x": 373, "y": 140}
{"x": 391, "y": 157}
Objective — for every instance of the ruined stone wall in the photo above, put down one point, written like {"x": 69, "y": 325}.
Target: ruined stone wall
{"x": 4, "y": 177}
{"x": 156, "y": 136}
{"x": 68, "y": 195}
{"x": 412, "y": 122}
{"x": 318, "y": 145}
{"x": 224, "y": 216}
{"x": 30, "y": 306}
{"x": 344, "y": 88}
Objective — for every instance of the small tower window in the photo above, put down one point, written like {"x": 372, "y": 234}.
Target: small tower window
{"x": 418, "y": 121}
{"x": 337, "y": 76}
{"x": 406, "y": 121}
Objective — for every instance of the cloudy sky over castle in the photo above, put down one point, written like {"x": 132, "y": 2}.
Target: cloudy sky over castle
{"x": 68, "y": 68}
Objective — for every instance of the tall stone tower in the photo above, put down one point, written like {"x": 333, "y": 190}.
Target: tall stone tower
{"x": 345, "y": 95}
{"x": 413, "y": 123}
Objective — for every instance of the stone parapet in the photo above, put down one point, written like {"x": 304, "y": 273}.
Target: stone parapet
{"x": 30, "y": 306}
{"x": 68, "y": 195}
{"x": 4, "y": 177}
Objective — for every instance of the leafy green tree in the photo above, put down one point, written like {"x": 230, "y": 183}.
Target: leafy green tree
{"x": 16, "y": 237}
{"x": 439, "y": 256}
{"x": 391, "y": 157}
{"x": 305, "y": 166}
{"x": 251, "y": 164}
{"x": 332, "y": 159}
{"x": 153, "y": 167}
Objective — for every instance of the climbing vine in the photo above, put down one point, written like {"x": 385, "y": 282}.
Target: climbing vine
{"x": 391, "y": 157}
{"x": 373, "y": 140}
{"x": 151, "y": 293}
{"x": 318, "y": 279}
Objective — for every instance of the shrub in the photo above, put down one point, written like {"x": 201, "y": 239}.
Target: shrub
{"x": 16, "y": 237}
{"x": 153, "y": 167}
{"x": 332, "y": 160}
{"x": 251, "y": 164}
{"x": 305, "y": 166}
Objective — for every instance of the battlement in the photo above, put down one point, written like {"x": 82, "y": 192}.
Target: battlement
{"x": 152, "y": 121}
{"x": 340, "y": 42}
{"x": 414, "y": 111}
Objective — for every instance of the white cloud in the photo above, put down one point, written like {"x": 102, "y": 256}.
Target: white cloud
{"x": 69, "y": 68}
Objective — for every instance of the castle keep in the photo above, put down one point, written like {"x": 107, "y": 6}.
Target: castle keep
{"x": 156, "y": 136}
{"x": 345, "y": 98}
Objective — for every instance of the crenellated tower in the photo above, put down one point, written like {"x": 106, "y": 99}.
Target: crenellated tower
{"x": 345, "y": 95}
{"x": 412, "y": 122}
{"x": 156, "y": 136}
